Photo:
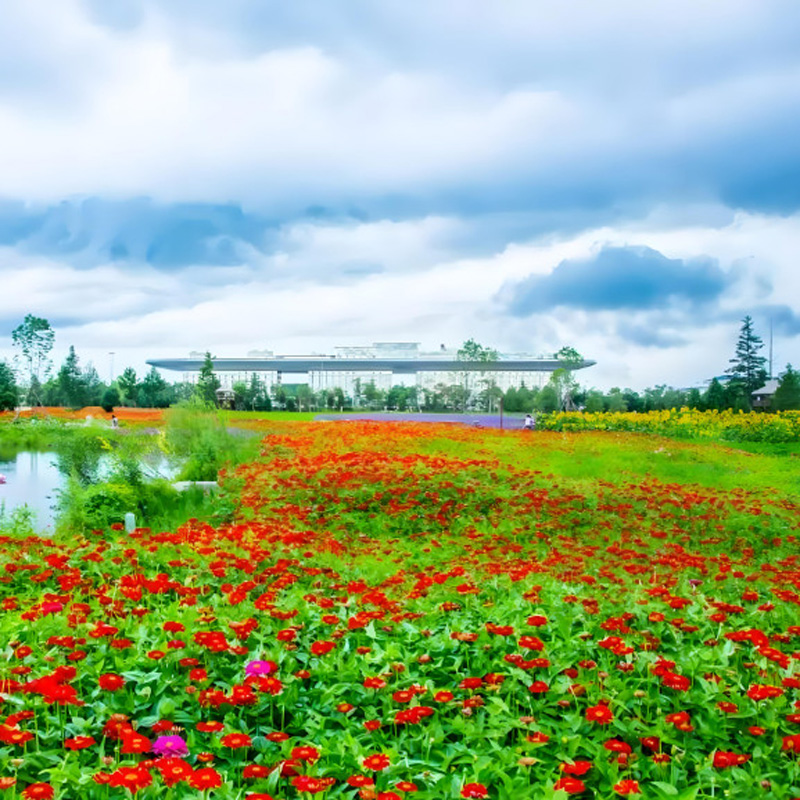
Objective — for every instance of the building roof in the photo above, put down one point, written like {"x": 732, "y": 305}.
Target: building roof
{"x": 768, "y": 388}
{"x": 327, "y": 363}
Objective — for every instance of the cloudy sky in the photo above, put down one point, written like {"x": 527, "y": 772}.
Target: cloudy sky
{"x": 622, "y": 177}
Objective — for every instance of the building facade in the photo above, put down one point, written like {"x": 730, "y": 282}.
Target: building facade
{"x": 383, "y": 364}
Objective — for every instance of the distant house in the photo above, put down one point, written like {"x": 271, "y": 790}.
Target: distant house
{"x": 762, "y": 398}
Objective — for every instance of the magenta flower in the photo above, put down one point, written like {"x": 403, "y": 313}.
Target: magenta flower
{"x": 258, "y": 668}
{"x": 170, "y": 746}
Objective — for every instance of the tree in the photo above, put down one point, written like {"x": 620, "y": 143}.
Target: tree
{"x": 71, "y": 387}
{"x": 128, "y": 386}
{"x": 747, "y": 366}
{"x": 93, "y": 386}
{"x": 566, "y": 385}
{"x": 594, "y": 401}
{"x": 482, "y": 358}
{"x": 547, "y": 400}
{"x": 714, "y": 398}
{"x": 207, "y": 381}
{"x": 787, "y": 395}
{"x": 9, "y": 393}
{"x": 153, "y": 391}
{"x": 35, "y": 338}
{"x": 110, "y": 399}
{"x": 617, "y": 401}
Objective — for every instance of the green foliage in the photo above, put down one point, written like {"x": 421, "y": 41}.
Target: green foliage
{"x": 547, "y": 400}
{"x": 34, "y": 338}
{"x": 154, "y": 391}
{"x": 106, "y": 503}
{"x": 196, "y": 433}
{"x": 128, "y": 386}
{"x": 787, "y": 395}
{"x": 79, "y": 451}
{"x": 18, "y": 522}
{"x": 207, "y": 382}
{"x": 747, "y": 366}
{"x": 110, "y": 399}
{"x": 9, "y": 394}
{"x": 70, "y": 382}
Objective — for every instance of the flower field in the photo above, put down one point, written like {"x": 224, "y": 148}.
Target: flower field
{"x": 736, "y": 426}
{"x": 415, "y": 612}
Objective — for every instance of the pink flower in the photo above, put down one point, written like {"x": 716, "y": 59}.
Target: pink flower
{"x": 258, "y": 668}
{"x": 170, "y": 746}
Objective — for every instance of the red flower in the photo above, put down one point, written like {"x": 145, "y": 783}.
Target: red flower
{"x": 252, "y": 771}
{"x": 236, "y": 740}
{"x": 305, "y": 783}
{"x": 758, "y": 692}
{"x": 627, "y": 787}
{"x": 538, "y": 687}
{"x": 570, "y": 785}
{"x": 79, "y": 742}
{"x": 111, "y": 682}
{"x": 724, "y": 759}
{"x": 600, "y": 714}
{"x": 791, "y": 743}
{"x": 205, "y": 778}
{"x": 475, "y": 790}
{"x": 38, "y": 791}
{"x": 132, "y": 778}
{"x": 209, "y": 727}
{"x": 357, "y": 781}
{"x": 305, "y": 753}
{"x": 576, "y": 768}
{"x": 376, "y": 762}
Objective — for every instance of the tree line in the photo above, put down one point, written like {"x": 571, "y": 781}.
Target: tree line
{"x": 31, "y": 381}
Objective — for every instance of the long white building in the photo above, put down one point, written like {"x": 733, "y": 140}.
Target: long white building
{"x": 382, "y": 363}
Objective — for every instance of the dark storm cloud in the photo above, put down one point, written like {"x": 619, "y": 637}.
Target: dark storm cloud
{"x": 619, "y": 278}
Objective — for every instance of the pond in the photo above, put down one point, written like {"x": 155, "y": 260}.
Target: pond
{"x": 33, "y": 479}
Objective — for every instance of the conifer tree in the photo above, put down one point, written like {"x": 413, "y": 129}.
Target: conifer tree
{"x": 787, "y": 395}
{"x": 747, "y": 366}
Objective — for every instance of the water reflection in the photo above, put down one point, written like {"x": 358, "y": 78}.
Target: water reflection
{"x": 31, "y": 479}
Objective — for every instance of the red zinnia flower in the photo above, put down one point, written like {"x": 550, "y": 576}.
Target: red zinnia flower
{"x": 305, "y": 753}
{"x": 38, "y": 791}
{"x": 570, "y": 785}
{"x": 79, "y": 742}
{"x": 256, "y": 771}
{"x": 376, "y": 761}
{"x": 132, "y": 778}
{"x": 205, "y": 778}
{"x": 236, "y": 740}
{"x": 576, "y": 768}
{"x": 627, "y": 786}
{"x": 600, "y": 714}
{"x": 474, "y": 790}
{"x": 111, "y": 682}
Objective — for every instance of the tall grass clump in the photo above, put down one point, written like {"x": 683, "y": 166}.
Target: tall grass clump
{"x": 197, "y": 435}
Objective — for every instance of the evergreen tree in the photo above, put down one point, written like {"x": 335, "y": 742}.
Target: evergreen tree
{"x": 787, "y": 395}
{"x": 714, "y": 398}
{"x": 128, "y": 386}
{"x": 72, "y": 389}
{"x": 8, "y": 388}
{"x": 207, "y": 381}
{"x": 747, "y": 366}
{"x": 154, "y": 391}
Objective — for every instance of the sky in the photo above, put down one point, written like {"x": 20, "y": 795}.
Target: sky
{"x": 189, "y": 175}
